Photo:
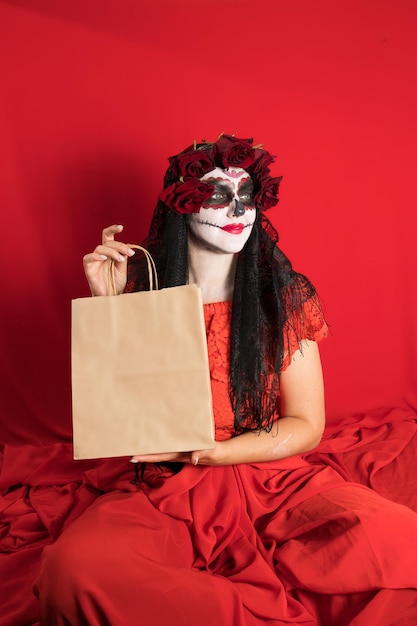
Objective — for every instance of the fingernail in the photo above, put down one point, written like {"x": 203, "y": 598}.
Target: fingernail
{"x": 131, "y": 252}
{"x": 133, "y": 460}
{"x": 120, "y": 257}
{"x": 103, "y": 257}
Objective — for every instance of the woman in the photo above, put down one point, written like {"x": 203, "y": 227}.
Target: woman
{"x": 246, "y": 533}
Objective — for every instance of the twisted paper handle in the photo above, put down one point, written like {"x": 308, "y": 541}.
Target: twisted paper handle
{"x": 152, "y": 273}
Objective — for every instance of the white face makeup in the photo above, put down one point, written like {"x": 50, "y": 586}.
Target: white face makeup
{"x": 225, "y": 221}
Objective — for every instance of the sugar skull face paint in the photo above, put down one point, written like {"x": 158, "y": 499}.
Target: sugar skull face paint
{"x": 226, "y": 219}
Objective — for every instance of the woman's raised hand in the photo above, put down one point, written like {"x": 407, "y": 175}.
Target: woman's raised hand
{"x": 96, "y": 264}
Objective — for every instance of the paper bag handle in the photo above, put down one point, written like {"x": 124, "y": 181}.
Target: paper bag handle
{"x": 152, "y": 273}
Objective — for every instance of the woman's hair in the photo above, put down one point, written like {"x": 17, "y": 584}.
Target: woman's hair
{"x": 267, "y": 292}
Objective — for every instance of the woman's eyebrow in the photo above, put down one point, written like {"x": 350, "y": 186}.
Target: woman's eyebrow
{"x": 218, "y": 182}
{"x": 247, "y": 185}
{"x": 222, "y": 185}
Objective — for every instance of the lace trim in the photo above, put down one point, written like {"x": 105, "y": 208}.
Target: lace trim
{"x": 307, "y": 322}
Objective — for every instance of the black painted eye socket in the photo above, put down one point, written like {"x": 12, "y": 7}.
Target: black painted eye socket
{"x": 223, "y": 194}
{"x": 246, "y": 199}
{"x": 245, "y": 193}
{"x": 219, "y": 195}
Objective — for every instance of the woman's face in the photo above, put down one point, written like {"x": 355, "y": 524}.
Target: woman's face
{"x": 225, "y": 221}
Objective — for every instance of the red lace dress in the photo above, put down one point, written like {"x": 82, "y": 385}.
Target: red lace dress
{"x": 283, "y": 542}
{"x": 218, "y": 319}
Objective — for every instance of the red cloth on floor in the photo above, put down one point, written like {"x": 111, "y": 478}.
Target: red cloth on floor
{"x": 23, "y": 534}
{"x": 235, "y": 544}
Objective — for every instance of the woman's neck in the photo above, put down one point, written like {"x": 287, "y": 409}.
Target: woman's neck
{"x": 213, "y": 272}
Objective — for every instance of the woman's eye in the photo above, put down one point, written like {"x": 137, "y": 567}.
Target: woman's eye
{"x": 218, "y": 195}
{"x": 246, "y": 197}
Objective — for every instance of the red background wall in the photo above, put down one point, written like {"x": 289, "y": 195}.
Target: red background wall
{"x": 96, "y": 94}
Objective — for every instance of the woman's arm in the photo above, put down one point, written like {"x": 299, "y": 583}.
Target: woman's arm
{"x": 299, "y": 428}
{"x": 301, "y": 424}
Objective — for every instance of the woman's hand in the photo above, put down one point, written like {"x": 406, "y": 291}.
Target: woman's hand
{"x": 203, "y": 457}
{"x": 97, "y": 263}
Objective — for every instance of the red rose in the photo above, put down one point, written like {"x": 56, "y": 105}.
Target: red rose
{"x": 261, "y": 163}
{"x": 233, "y": 152}
{"x": 194, "y": 163}
{"x": 267, "y": 196}
{"x": 188, "y": 196}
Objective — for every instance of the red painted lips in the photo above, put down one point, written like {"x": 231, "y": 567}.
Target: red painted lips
{"x": 233, "y": 229}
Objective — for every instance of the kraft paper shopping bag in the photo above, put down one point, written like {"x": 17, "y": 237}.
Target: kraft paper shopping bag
{"x": 140, "y": 375}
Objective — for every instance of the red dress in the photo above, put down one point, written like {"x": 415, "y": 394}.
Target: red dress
{"x": 283, "y": 542}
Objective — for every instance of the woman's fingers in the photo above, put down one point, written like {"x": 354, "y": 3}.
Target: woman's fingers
{"x": 109, "y": 232}
{"x": 194, "y": 458}
{"x": 115, "y": 250}
{"x": 112, "y": 249}
{"x": 108, "y": 244}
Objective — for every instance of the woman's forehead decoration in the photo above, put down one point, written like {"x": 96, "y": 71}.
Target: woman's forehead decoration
{"x": 235, "y": 177}
{"x": 235, "y": 172}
